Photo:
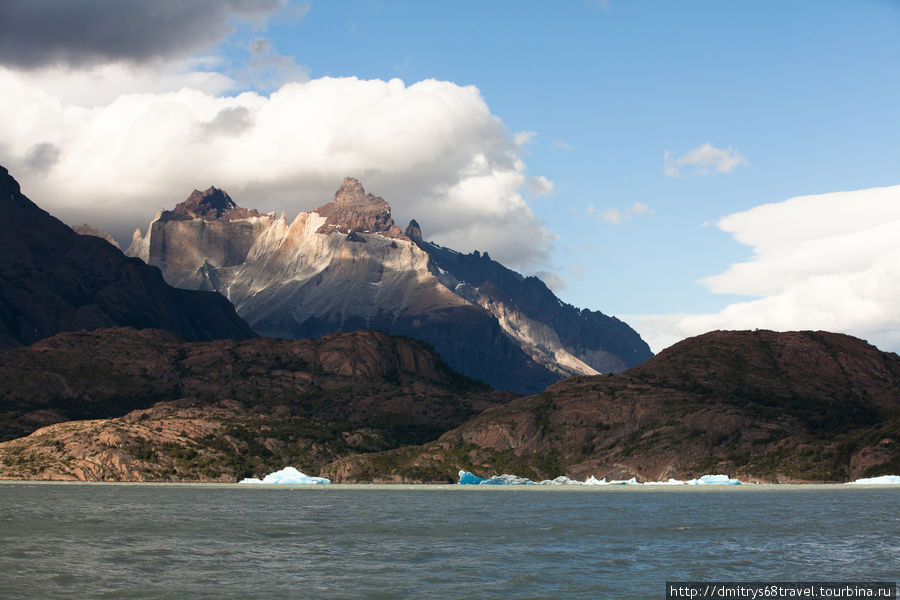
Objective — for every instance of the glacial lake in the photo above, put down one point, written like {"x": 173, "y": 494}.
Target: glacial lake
{"x": 62, "y": 540}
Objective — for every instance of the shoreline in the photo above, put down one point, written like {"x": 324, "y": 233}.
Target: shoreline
{"x": 456, "y": 486}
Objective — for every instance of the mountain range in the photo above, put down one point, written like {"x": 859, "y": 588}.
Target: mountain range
{"x": 108, "y": 373}
{"x": 347, "y": 266}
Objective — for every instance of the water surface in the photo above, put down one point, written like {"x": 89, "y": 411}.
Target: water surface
{"x": 228, "y": 541}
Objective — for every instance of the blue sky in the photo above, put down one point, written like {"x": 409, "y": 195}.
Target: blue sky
{"x": 602, "y": 104}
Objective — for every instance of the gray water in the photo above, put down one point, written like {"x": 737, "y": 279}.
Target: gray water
{"x": 219, "y": 541}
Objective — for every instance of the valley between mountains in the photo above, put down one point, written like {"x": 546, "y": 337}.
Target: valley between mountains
{"x": 231, "y": 343}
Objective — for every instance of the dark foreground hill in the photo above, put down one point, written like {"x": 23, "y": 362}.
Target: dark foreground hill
{"x": 762, "y": 406}
{"x": 53, "y": 279}
{"x": 121, "y": 404}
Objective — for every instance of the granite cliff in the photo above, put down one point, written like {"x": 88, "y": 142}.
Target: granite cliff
{"x": 348, "y": 266}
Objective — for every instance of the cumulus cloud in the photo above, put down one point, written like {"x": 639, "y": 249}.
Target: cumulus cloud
{"x": 433, "y": 149}
{"x": 829, "y": 262}
{"x": 82, "y": 33}
{"x": 703, "y": 160}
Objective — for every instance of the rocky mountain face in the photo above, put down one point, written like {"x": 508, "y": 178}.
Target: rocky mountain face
{"x": 127, "y": 405}
{"x": 761, "y": 406}
{"x": 53, "y": 279}
{"x": 348, "y": 266}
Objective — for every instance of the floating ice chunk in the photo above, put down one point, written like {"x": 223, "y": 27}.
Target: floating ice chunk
{"x": 713, "y": 480}
{"x": 882, "y": 480}
{"x": 466, "y": 478}
{"x": 561, "y": 480}
{"x": 594, "y": 481}
{"x": 669, "y": 482}
{"x": 631, "y": 481}
{"x": 288, "y": 476}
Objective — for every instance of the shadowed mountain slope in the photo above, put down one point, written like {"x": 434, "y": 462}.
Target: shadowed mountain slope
{"x": 53, "y": 279}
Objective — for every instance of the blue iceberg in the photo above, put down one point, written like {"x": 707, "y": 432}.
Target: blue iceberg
{"x": 467, "y": 478}
{"x": 288, "y": 476}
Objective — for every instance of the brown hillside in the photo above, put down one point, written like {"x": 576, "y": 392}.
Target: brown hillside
{"x": 763, "y": 406}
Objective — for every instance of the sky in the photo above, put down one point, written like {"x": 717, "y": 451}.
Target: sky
{"x": 684, "y": 166}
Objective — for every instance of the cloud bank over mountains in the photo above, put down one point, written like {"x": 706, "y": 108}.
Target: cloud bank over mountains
{"x": 433, "y": 149}
{"x": 117, "y": 116}
{"x": 828, "y": 261}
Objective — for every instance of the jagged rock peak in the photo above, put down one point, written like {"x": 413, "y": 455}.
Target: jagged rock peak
{"x": 88, "y": 229}
{"x": 355, "y": 211}
{"x": 414, "y": 232}
{"x": 352, "y": 192}
{"x": 210, "y": 205}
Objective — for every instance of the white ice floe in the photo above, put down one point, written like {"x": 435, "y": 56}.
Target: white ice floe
{"x": 288, "y": 476}
{"x": 669, "y": 482}
{"x": 883, "y": 480}
{"x": 713, "y": 480}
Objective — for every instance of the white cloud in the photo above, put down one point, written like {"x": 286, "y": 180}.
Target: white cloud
{"x": 522, "y": 138}
{"x": 703, "y": 160}
{"x": 829, "y": 262}
{"x": 615, "y": 216}
{"x": 432, "y": 149}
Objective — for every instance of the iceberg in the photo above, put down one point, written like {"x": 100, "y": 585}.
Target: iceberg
{"x": 288, "y": 476}
{"x": 561, "y": 480}
{"x": 882, "y": 480}
{"x": 631, "y": 481}
{"x": 467, "y": 478}
{"x": 713, "y": 480}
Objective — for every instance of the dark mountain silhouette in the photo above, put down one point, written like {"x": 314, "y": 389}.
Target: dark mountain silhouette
{"x": 53, "y": 279}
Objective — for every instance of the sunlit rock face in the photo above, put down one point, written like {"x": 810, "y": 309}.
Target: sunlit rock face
{"x": 348, "y": 266}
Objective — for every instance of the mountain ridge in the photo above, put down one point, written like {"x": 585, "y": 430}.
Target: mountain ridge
{"x": 52, "y": 279}
{"x": 347, "y": 265}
